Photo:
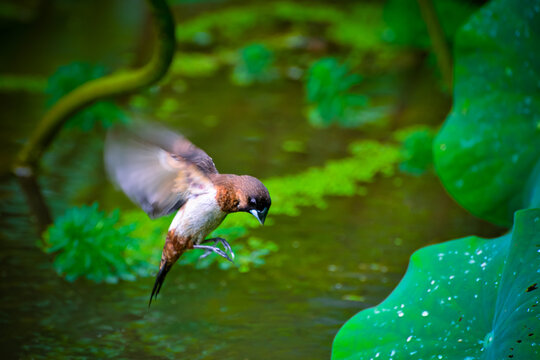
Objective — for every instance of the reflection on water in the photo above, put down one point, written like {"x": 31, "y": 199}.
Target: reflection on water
{"x": 332, "y": 262}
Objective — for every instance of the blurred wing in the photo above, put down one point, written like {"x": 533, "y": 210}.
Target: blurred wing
{"x": 157, "y": 168}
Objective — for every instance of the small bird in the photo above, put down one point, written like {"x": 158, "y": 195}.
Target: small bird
{"x": 163, "y": 172}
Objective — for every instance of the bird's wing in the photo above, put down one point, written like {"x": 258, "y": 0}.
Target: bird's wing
{"x": 157, "y": 168}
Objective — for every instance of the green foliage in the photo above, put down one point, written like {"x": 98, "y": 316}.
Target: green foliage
{"x": 474, "y": 298}
{"x": 228, "y": 25}
{"x": 298, "y": 13}
{"x": 470, "y": 298}
{"x": 254, "y": 65}
{"x": 360, "y": 28}
{"x": 286, "y": 27}
{"x": 195, "y": 64}
{"x": 337, "y": 178}
{"x": 86, "y": 242}
{"x": 248, "y": 254}
{"x": 357, "y": 27}
{"x": 407, "y": 27}
{"x": 487, "y": 153}
{"x": 328, "y": 89}
{"x": 416, "y": 149}
{"x": 67, "y": 78}
{"x": 233, "y": 23}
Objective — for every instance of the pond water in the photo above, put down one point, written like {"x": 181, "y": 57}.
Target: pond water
{"x": 331, "y": 263}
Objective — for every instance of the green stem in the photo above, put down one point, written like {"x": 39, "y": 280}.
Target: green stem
{"x": 105, "y": 87}
{"x": 438, "y": 41}
{"x": 34, "y": 198}
{"x": 86, "y": 94}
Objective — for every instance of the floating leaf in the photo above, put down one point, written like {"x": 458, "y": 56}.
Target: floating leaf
{"x": 489, "y": 147}
{"x": 470, "y": 298}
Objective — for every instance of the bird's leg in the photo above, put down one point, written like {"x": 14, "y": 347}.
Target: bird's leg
{"x": 223, "y": 242}
{"x": 213, "y": 249}
{"x": 210, "y": 249}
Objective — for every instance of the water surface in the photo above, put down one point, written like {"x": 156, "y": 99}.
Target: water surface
{"x": 331, "y": 263}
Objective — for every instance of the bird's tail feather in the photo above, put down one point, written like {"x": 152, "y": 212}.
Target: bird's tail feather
{"x": 163, "y": 270}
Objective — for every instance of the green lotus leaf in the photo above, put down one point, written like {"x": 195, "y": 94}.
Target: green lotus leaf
{"x": 470, "y": 298}
{"x": 489, "y": 147}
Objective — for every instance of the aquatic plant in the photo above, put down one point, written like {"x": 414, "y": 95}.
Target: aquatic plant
{"x": 248, "y": 254}
{"x": 342, "y": 177}
{"x": 328, "y": 91}
{"x": 87, "y": 242}
{"x": 254, "y": 65}
{"x": 469, "y": 298}
{"x": 475, "y": 298}
{"x": 487, "y": 152}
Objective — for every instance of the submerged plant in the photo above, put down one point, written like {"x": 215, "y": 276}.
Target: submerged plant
{"x": 87, "y": 242}
{"x": 328, "y": 92}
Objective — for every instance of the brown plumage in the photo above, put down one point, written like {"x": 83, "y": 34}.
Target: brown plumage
{"x": 163, "y": 172}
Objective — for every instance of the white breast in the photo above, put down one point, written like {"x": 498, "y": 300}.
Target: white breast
{"x": 198, "y": 217}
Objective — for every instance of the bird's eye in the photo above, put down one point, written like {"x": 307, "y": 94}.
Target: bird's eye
{"x": 252, "y": 201}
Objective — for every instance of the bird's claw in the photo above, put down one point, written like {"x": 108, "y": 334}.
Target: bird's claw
{"x": 211, "y": 249}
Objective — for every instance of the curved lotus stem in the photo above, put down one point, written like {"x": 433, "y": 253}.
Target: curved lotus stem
{"x": 85, "y": 95}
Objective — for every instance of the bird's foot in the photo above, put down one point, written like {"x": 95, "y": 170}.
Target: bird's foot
{"x": 211, "y": 249}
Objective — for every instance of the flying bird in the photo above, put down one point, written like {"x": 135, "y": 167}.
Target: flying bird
{"x": 163, "y": 172}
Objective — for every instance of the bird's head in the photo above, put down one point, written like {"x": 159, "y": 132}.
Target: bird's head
{"x": 254, "y": 198}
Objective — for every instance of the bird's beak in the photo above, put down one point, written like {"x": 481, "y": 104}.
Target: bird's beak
{"x": 260, "y": 215}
